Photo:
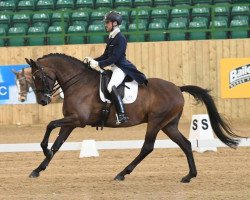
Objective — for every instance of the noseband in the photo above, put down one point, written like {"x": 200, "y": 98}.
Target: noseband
{"x": 46, "y": 89}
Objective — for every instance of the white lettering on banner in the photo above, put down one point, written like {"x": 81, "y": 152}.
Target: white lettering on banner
{"x": 239, "y": 75}
{"x": 3, "y": 90}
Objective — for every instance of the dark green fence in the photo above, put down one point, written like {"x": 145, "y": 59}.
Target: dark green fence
{"x": 158, "y": 23}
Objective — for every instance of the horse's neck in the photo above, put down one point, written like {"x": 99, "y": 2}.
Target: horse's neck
{"x": 74, "y": 74}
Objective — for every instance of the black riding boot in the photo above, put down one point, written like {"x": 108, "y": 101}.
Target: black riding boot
{"x": 121, "y": 117}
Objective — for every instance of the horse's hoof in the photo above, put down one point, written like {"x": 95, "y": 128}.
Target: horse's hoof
{"x": 185, "y": 180}
{"x": 34, "y": 174}
{"x": 119, "y": 178}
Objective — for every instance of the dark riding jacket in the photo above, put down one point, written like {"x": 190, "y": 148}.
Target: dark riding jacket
{"x": 115, "y": 53}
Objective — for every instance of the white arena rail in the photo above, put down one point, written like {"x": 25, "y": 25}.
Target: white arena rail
{"x": 105, "y": 145}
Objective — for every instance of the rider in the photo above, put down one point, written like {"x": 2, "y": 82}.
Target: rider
{"x": 115, "y": 56}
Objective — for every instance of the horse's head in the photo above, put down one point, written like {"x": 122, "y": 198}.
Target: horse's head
{"x": 44, "y": 80}
{"x": 22, "y": 84}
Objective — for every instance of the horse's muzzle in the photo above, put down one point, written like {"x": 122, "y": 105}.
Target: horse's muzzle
{"x": 44, "y": 102}
{"x": 22, "y": 98}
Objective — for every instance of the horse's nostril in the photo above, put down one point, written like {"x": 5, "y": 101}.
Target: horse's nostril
{"x": 43, "y": 102}
{"x": 22, "y": 100}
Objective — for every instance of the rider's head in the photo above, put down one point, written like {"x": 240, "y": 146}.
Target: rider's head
{"x": 111, "y": 20}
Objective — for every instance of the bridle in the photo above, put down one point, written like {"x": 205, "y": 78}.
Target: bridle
{"x": 50, "y": 91}
{"x": 46, "y": 90}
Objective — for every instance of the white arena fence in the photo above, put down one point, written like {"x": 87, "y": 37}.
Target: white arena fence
{"x": 109, "y": 145}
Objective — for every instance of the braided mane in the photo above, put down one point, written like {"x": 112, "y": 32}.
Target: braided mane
{"x": 71, "y": 59}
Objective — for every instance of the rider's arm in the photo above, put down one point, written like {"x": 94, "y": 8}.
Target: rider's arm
{"x": 104, "y": 56}
{"x": 117, "y": 53}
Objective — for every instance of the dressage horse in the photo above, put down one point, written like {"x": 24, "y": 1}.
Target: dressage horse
{"x": 159, "y": 104}
{"x": 25, "y": 82}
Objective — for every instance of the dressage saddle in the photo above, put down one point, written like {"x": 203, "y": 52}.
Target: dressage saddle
{"x": 105, "y": 78}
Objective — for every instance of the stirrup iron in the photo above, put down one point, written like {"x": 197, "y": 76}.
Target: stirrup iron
{"x": 123, "y": 119}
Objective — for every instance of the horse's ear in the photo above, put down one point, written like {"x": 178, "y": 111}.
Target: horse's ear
{"x": 14, "y": 71}
{"x": 33, "y": 63}
{"x": 27, "y": 61}
{"x": 22, "y": 71}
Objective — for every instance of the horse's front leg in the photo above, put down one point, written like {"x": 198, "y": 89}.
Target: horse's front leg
{"x": 63, "y": 135}
{"x": 67, "y": 121}
{"x": 67, "y": 124}
{"x": 44, "y": 144}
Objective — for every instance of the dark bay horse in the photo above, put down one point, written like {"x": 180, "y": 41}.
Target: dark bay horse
{"x": 159, "y": 104}
{"x": 25, "y": 82}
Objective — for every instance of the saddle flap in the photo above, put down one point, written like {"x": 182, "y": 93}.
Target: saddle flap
{"x": 128, "y": 89}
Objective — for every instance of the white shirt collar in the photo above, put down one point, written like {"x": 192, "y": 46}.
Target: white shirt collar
{"x": 114, "y": 32}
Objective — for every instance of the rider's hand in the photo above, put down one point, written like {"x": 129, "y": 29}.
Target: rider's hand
{"x": 93, "y": 64}
{"x": 87, "y": 59}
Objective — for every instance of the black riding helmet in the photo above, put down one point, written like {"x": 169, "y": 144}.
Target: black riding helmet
{"x": 113, "y": 16}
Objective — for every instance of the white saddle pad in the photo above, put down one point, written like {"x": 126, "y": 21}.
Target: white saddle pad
{"x": 130, "y": 93}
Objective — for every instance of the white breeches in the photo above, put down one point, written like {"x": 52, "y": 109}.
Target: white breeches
{"x": 117, "y": 77}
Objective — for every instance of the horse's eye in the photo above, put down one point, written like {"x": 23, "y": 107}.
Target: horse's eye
{"x": 37, "y": 78}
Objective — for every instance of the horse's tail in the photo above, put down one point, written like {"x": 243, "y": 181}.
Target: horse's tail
{"x": 219, "y": 126}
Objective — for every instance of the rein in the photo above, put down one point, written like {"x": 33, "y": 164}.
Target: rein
{"x": 57, "y": 86}
{"x": 47, "y": 90}
{"x": 65, "y": 87}
{"x": 50, "y": 92}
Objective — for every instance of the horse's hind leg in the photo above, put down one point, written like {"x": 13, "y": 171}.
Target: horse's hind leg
{"x": 147, "y": 148}
{"x": 63, "y": 135}
{"x": 171, "y": 130}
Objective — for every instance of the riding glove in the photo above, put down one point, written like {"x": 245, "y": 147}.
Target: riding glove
{"x": 87, "y": 59}
{"x": 93, "y": 64}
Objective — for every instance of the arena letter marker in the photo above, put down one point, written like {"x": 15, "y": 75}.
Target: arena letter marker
{"x": 201, "y": 130}
{"x": 88, "y": 149}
